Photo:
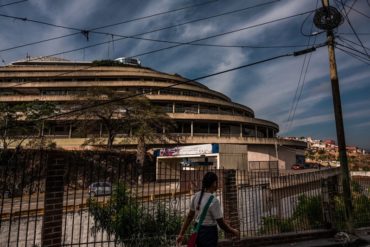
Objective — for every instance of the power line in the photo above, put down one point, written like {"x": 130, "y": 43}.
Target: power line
{"x": 296, "y": 99}
{"x": 165, "y": 48}
{"x": 350, "y": 41}
{"x": 350, "y": 24}
{"x": 225, "y": 33}
{"x": 302, "y": 87}
{"x": 354, "y": 56}
{"x": 148, "y": 32}
{"x": 357, "y": 11}
{"x": 7, "y": 4}
{"x": 110, "y": 25}
{"x": 354, "y": 34}
{"x": 38, "y": 42}
{"x": 58, "y": 115}
{"x": 353, "y": 49}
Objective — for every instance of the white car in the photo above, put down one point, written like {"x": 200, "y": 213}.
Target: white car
{"x": 100, "y": 188}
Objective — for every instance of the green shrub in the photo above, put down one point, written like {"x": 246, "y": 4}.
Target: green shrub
{"x": 307, "y": 215}
{"x": 274, "y": 224}
{"x": 361, "y": 211}
{"x": 309, "y": 209}
{"x": 123, "y": 217}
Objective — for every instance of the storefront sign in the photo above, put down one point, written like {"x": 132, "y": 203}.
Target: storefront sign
{"x": 189, "y": 150}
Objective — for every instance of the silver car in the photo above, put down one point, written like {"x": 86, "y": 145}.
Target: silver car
{"x": 100, "y": 188}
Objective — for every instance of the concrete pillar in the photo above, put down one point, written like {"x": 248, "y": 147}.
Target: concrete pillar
{"x": 101, "y": 130}
{"x": 198, "y": 108}
{"x": 42, "y": 128}
{"x": 70, "y": 131}
{"x": 173, "y": 107}
{"x": 255, "y": 131}
{"x": 219, "y": 129}
{"x": 241, "y": 130}
{"x": 53, "y": 203}
{"x": 230, "y": 200}
{"x": 192, "y": 128}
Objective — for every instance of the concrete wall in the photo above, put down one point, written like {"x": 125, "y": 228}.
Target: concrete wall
{"x": 287, "y": 156}
{"x": 233, "y": 156}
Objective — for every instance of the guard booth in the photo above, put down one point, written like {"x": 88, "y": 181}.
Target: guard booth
{"x": 171, "y": 161}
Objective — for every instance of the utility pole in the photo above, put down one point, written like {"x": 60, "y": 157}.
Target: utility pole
{"x": 333, "y": 18}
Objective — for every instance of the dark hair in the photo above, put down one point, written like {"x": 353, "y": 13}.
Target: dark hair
{"x": 208, "y": 179}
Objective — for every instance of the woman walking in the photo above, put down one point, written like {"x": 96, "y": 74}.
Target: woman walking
{"x": 212, "y": 215}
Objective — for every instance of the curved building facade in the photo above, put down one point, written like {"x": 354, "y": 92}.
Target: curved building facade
{"x": 202, "y": 115}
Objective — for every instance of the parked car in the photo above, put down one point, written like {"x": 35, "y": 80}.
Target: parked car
{"x": 100, "y": 188}
{"x": 297, "y": 167}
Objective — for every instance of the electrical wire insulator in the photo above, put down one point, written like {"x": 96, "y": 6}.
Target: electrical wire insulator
{"x": 327, "y": 18}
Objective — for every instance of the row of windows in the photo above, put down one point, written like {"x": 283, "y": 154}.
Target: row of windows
{"x": 85, "y": 79}
{"x": 182, "y": 127}
{"x": 74, "y": 91}
{"x": 201, "y": 109}
{"x": 91, "y": 79}
{"x": 226, "y": 129}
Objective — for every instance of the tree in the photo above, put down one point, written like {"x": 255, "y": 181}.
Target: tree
{"x": 20, "y": 122}
{"x": 112, "y": 116}
{"x": 136, "y": 116}
{"x": 149, "y": 124}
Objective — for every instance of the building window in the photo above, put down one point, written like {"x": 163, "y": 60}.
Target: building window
{"x": 166, "y": 107}
{"x": 226, "y": 111}
{"x": 203, "y": 128}
{"x": 186, "y": 108}
{"x": 183, "y": 128}
{"x": 230, "y": 130}
{"x": 208, "y": 109}
{"x": 271, "y": 133}
{"x": 261, "y": 132}
{"x": 190, "y": 93}
{"x": 249, "y": 131}
{"x": 170, "y": 92}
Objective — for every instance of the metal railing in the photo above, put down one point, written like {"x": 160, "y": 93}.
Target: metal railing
{"x": 105, "y": 194}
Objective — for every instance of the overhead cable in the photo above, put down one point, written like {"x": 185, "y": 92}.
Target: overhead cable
{"x": 161, "y": 49}
{"x": 355, "y": 50}
{"x": 343, "y": 39}
{"x": 140, "y": 34}
{"x": 361, "y": 59}
{"x": 351, "y": 26}
{"x": 109, "y": 25}
{"x": 302, "y": 77}
{"x": 12, "y": 3}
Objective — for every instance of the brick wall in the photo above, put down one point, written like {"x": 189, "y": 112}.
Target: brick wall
{"x": 53, "y": 215}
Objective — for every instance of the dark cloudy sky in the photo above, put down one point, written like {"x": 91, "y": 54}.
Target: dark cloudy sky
{"x": 268, "y": 88}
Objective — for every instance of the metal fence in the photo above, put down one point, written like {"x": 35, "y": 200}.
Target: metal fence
{"x": 105, "y": 199}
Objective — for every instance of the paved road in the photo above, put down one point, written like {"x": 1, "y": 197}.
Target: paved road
{"x": 78, "y": 198}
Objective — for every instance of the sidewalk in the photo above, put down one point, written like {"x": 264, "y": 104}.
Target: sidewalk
{"x": 362, "y": 239}
{"x": 314, "y": 238}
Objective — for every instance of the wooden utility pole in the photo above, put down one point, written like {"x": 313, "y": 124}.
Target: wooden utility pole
{"x": 339, "y": 127}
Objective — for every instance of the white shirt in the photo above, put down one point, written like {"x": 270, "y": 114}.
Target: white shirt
{"x": 214, "y": 211}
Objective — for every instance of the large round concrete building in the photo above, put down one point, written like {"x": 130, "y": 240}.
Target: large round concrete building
{"x": 202, "y": 115}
